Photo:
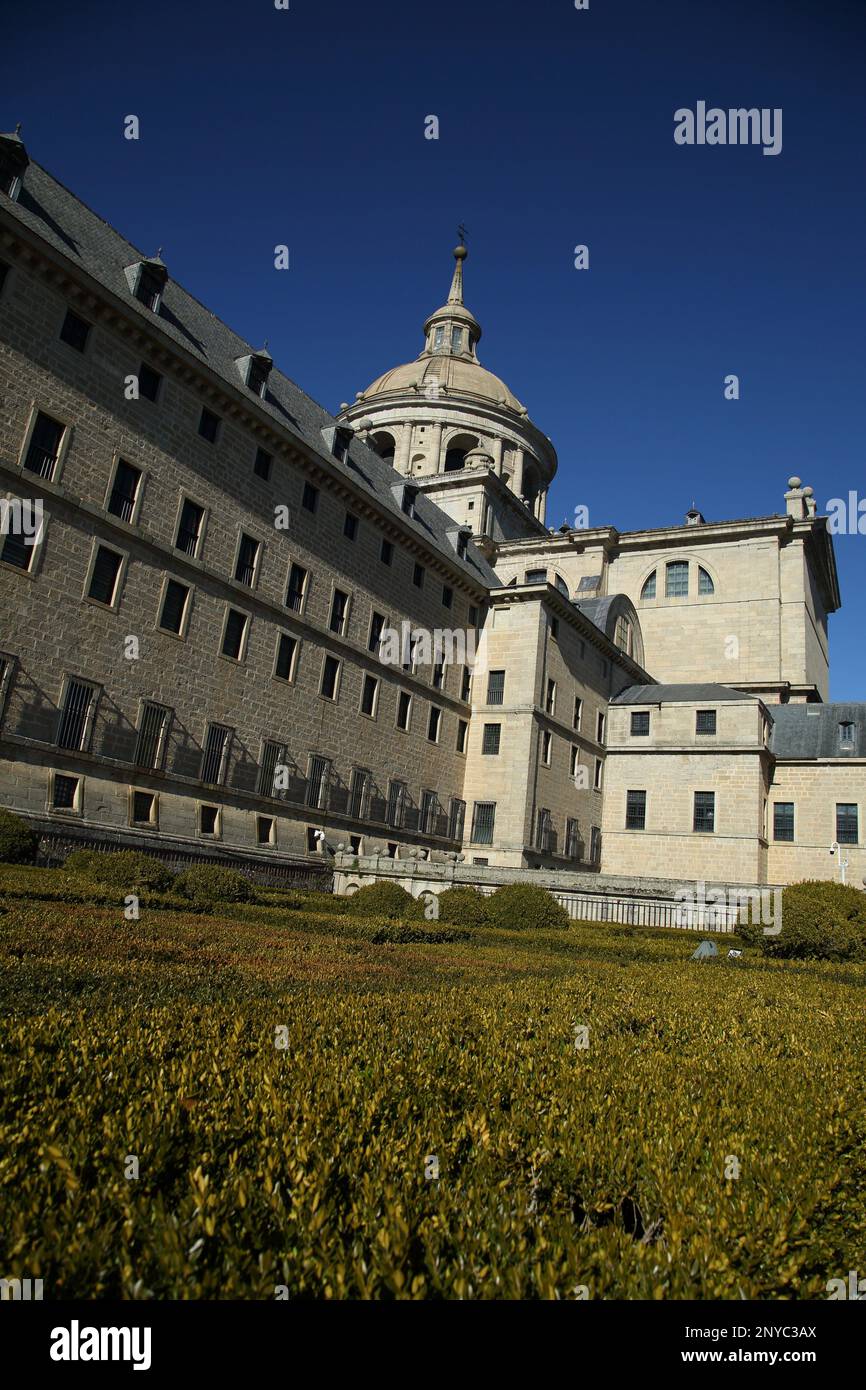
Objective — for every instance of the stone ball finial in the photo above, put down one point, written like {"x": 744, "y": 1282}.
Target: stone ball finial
{"x": 808, "y": 492}
{"x": 460, "y": 253}
{"x": 794, "y": 482}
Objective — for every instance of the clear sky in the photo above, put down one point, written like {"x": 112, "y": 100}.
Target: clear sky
{"x": 306, "y": 127}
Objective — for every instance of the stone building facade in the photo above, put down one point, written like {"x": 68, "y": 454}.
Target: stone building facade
{"x": 233, "y": 623}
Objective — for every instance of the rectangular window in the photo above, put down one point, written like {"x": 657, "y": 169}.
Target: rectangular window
{"x": 434, "y": 723}
{"x": 189, "y": 527}
{"x": 386, "y": 554}
{"x": 4, "y": 271}
{"x": 677, "y": 579}
{"x": 783, "y": 820}
{"x": 495, "y": 687}
{"x": 705, "y": 813}
{"x": 396, "y": 803}
{"x": 598, "y": 774}
{"x": 550, "y": 697}
{"x": 427, "y": 821}
{"x": 124, "y": 490}
{"x": 144, "y": 808}
{"x": 234, "y": 634}
{"x": 215, "y": 754}
{"x": 599, "y": 727}
{"x": 265, "y": 830}
{"x": 546, "y": 746}
{"x": 377, "y": 623}
{"x": 208, "y": 425}
{"x": 273, "y": 754}
{"x": 262, "y": 464}
{"x": 339, "y": 610}
{"x": 418, "y": 576}
{"x": 174, "y": 607}
{"x": 297, "y": 588}
{"x": 358, "y": 793}
{"x": 104, "y": 575}
{"x": 543, "y": 830}
{"x": 846, "y": 732}
{"x": 153, "y": 729}
{"x": 285, "y": 662}
{"x": 462, "y": 727}
{"x": 209, "y": 820}
{"x": 490, "y": 739}
{"x": 438, "y": 675}
{"x": 578, "y": 710}
{"x": 16, "y": 551}
{"x": 64, "y": 792}
{"x": 447, "y": 596}
{"x": 595, "y": 845}
{"x": 536, "y": 577}
{"x": 635, "y": 810}
{"x": 472, "y": 615}
{"x": 410, "y": 496}
{"x": 310, "y": 498}
{"x": 75, "y": 725}
{"x": 575, "y": 760}
{"x": 330, "y": 677}
{"x": 369, "y": 695}
{"x": 572, "y": 838}
{"x": 554, "y": 628}
{"x": 342, "y": 440}
{"x": 483, "y": 821}
{"x": 43, "y": 450}
{"x": 148, "y": 288}
{"x": 456, "y": 818}
{"x": 75, "y": 331}
{"x": 350, "y": 527}
{"x": 247, "y": 561}
{"x": 149, "y": 382}
{"x": 466, "y": 685}
{"x": 705, "y": 721}
{"x": 847, "y": 827}
{"x": 640, "y": 723}
{"x": 404, "y": 710}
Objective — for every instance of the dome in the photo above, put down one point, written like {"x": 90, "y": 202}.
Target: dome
{"x": 458, "y": 375}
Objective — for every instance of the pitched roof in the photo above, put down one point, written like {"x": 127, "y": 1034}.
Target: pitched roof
{"x": 812, "y": 731}
{"x": 53, "y": 213}
{"x": 673, "y": 694}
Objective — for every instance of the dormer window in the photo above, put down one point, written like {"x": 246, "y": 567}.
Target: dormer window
{"x": 846, "y": 732}
{"x": 257, "y": 376}
{"x": 410, "y": 497}
{"x": 13, "y": 162}
{"x": 462, "y": 543}
{"x": 342, "y": 440}
{"x": 147, "y": 280}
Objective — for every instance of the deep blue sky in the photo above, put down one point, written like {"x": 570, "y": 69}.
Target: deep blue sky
{"x": 306, "y": 127}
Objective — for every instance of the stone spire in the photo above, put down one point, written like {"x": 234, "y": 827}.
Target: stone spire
{"x": 456, "y": 295}
{"x": 453, "y": 330}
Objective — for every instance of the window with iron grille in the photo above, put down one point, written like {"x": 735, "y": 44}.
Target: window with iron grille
{"x": 428, "y": 812}
{"x": 64, "y": 792}
{"x": 208, "y": 425}
{"x": 847, "y": 827}
{"x": 677, "y": 579}
{"x": 705, "y": 721}
{"x": 433, "y": 724}
{"x": 635, "y": 810}
{"x": 153, "y": 727}
{"x": 124, "y": 490}
{"x": 75, "y": 331}
{"x": 75, "y": 724}
{"x": 572, "y": 838}
{"x": 297, "y": 588}
{"x": 43, "y": 450}
{"x": 248, "y": 559}
{"x": 483, "y": 821}
{"x": 189, "y": 527}
{"x": 705, "y": 812}
{"x": 104, "y": 575}
{"x": 783, "y": 820}
{"x": 273, "y": 755}
{"x": 215, "y": 754}
{"x": 310, "y": 497}
{"x": 404, "y": 707}
{"x": 148, "y": 288}
{"x": 490, "y": 739}
{"x": 495, "y": 687}
{"x": 339, "y": 605}
{"x": 368, "y": 696}
{"x": 386, "y": 554}
{"x": 358, "y": 793}
{"x": 396, "y": 804}
{"x": 149, "y": 382}
{"x": 174, "y": 606}
{"x": 330, "y": 676}
{"x": 640, "y": 723}
{"x": 462, "y": 728}
{"x": 286, "y": 648}
{"x": 235, "y": 631}
{"x": 456, "y": 818}
{"x": 262, "y": 464}
{"x": 144, "y": 808}
{"x": 350, "y": 527}
{"x": 16, "y": 551}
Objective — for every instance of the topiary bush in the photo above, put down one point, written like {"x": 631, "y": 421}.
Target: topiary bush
{"x": 820, "y": 921}
{"x": 212, "y": 883}
{"x": 525, "y": 907}
{"x": 385, "y": 900}
{"x": 405, "y": 933}
{"x": 18, "y": 843}
{"x": 464, "y": 907}
{"x": 125, "y": 869}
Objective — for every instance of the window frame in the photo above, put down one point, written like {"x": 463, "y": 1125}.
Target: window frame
{"x": 291, "y": 678}
{"x": 180, "y": 635}
{"x": 119, "y": 577}
{"x": 196, "y": 553}
{"x": 67, "y": 430}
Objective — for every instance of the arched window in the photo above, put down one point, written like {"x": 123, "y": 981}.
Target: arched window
{"x": 649, "y": 587}
{"x": 458, "y": 447}
{"x": 560, "y": 584}
{"x": 384, "y": 444}
{"x": 705, "y": 583}
{"x": 623, "y": 635}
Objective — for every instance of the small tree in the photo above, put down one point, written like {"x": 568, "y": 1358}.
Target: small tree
{"x": 18, "y": 843}
{"x": 526, "y": 907}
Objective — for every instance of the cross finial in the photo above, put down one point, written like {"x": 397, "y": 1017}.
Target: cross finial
{"x": 461, "y": 232}
{"x": 18, "y": 128}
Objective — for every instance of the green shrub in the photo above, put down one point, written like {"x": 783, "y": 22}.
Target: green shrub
{"x": 525, "y": 907}
{"x": 820, "y": 921}
{"x": 126, "y": 869}
{"x": 384, "y": 900}
{"x": 464, "y": 907}
{"x": 18, "y": 842}
{"x": 403, "y": 933}
{"x": 213, "y": 883}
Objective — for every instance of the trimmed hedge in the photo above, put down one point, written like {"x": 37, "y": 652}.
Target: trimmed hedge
{"x": 384, "y": 900}
{"x": 124, "y": 869}
{"x": 525, "y": 907}
{"x": 820, "y": 921}
{"x": 18, "y": 843}
{"x": 464, "y": 907}
{"x": 212, "y": 883}
{"x": 402, "y": 933}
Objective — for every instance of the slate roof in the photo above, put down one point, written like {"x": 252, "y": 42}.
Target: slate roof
{"x": 51, "y": 211}
{"x": 664, "y": 694}
{"x": 812, "y": 731}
